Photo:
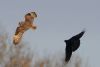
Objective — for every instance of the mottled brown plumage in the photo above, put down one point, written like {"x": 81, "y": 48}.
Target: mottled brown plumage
{"x": 24, "y": 26}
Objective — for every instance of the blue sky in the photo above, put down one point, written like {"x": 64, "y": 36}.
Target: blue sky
{"x": 57, "y": 20}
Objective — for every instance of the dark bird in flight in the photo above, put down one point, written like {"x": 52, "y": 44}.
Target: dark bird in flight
{"x": 72, "y": 45}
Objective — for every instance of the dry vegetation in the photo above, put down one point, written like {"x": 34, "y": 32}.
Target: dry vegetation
{"x": 22, "y": 56}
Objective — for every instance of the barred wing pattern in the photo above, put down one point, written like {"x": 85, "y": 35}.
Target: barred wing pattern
{"x": 18, "y": 35}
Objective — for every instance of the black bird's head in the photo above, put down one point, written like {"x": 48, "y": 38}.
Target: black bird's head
{"x": 65, "y": 41}
{"x": 68, "y": 42}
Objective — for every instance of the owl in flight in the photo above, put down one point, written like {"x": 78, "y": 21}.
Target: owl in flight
{"x": 24, "y": 26}
{"x": 72, "y": 45}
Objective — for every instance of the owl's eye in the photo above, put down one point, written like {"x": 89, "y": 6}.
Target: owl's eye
{"x": 28, "y": 14}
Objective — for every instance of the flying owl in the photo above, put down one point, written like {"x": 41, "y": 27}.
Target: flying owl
{"x": 24, "y": 26}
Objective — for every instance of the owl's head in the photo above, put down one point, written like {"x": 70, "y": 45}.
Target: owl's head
{"x": 30, "y": 16}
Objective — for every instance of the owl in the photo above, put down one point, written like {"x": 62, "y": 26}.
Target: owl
{"x": 24, "y": 26}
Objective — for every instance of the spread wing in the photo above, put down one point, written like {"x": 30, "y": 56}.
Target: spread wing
{"x": 78, "y": 36}
{"x": 68, "y": 53}
{"x": 75, "y": 41}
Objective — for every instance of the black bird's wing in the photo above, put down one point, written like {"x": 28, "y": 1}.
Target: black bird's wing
{"x": 75, "y": 41}
{"x": 78, "y": 36}
{"x": 75, "y": 45}
{"x": 68, "y": 53}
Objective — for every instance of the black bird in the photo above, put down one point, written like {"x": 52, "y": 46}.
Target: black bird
{"x": 72, "y": 45}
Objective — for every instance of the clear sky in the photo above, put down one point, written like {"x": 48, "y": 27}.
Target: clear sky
{"x": 57, "y": 20}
